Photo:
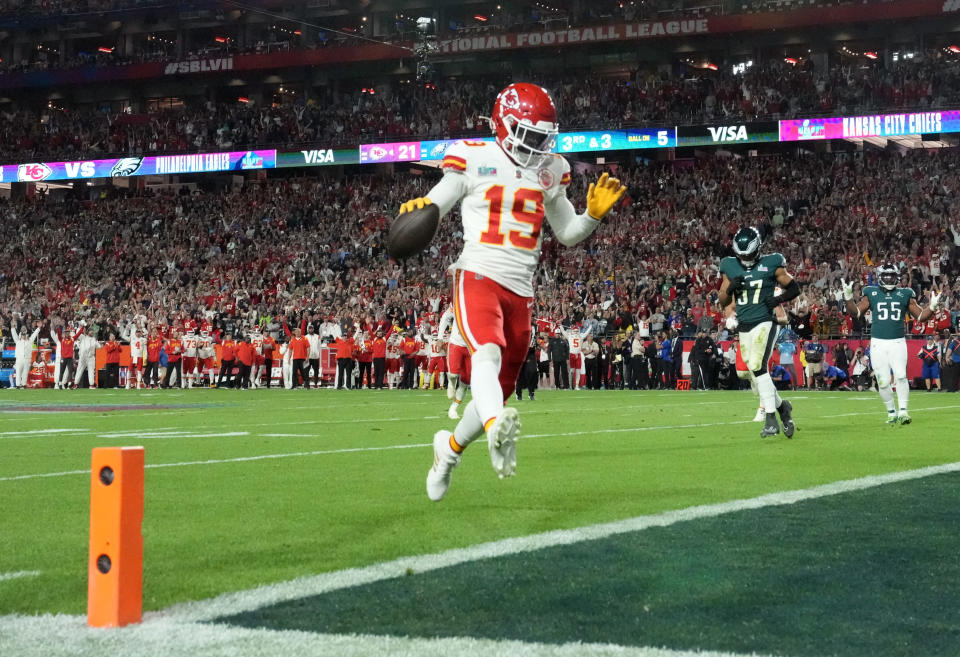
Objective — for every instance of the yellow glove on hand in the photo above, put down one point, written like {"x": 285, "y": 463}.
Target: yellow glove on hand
{"x": 415, "y": 204}
{"x": 603, "y": 195}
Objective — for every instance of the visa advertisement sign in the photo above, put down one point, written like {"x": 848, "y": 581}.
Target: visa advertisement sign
{"x": 139, "y": 166}
{"x": 876, "y": 125}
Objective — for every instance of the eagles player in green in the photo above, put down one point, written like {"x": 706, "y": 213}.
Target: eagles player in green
{"x": 750, "y": 280}
{"x": 889, "y": 306}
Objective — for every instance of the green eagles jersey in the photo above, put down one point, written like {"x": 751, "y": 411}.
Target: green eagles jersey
{"x": 760, "y": 282}
{"x": 888, "y": 311}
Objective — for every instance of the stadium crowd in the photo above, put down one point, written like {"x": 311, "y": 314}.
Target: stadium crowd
{"x": 452, "y": 108}
{"x": 309, "y": 252}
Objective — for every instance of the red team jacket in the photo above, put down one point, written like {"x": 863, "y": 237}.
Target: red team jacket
{"x": 112, "y": 349}
{"x": 379, "y": 348}
{"x": 344, "y": 347}
{"x": 300, "y": 347}
{"x": 174, "y": 350}
{"x": 245, "y": 353}
{"x": 228, "y": 350}
{"x": 153, "y": 349}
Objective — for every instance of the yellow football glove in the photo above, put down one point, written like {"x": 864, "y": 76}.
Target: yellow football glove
{"x": 603, "y": 195}
{"x": 415, "y": 204}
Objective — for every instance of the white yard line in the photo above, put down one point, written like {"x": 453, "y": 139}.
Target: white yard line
{"x": 18, "y": 575}
{"x": 41, "y": 432}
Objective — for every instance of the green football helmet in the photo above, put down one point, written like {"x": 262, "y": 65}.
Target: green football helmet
{"x": 888, "y": 276}
{"x": 746, "y": 244}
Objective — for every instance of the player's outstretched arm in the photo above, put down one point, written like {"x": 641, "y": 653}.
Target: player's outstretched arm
{"x": 570, "y": 227}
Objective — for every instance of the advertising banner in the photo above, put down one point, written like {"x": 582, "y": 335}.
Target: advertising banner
{"x": 139, "y": 166}
{"x": 736, "y": 133}
{"x": 318, "y": 157}
{"x": 878, "y": 125}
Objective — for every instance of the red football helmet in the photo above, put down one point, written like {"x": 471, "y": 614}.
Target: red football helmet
{"x": 525, "y": 120}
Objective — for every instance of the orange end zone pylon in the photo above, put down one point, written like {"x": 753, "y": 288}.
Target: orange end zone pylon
{"x": 115, "y": 584}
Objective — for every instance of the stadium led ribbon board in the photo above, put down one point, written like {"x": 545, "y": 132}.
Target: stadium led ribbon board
{"x": 147, "y": 165}
{"x": 729, "y": 134}
{"x": 875, "y": 125}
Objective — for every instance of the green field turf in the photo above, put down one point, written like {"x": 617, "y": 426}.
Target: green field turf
{"x": 255, "y": 487}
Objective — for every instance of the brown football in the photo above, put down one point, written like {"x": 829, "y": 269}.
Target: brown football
{"x": 411, "y": 232}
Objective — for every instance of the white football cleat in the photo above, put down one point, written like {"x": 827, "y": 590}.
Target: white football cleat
{"x": 761, "y": 416}
{"x": 452, "y": 413}
{"x": 502, "y": 441}
{"x": 444, "y": 461}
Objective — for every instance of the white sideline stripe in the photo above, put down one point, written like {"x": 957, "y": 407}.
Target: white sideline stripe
{"x": 40, "y": 432}
{"x": 243, "y": 601}
{"x": 349, "y": 450}
{"x": 69, "y": 636}
{"x": 287, "y": 435}
{"x": 18, "y": 574}
{"x": 181, "y": 434}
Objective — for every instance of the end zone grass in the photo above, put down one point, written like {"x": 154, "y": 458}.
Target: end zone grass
{"x": 253, "y": 487}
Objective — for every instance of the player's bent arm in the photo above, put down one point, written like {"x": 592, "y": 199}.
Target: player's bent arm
{"x": 922, "y": 314}
{"x": 448, "y": 192}
{"x": 791, "y": 289}
{"x": 569, "y": 227}
{"x": 724, "y": 295}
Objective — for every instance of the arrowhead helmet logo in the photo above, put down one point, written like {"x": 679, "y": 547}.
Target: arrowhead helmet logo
{"x": 33, "y": 172}
{"x": 511, "y": 99}
{"x": 378, "y": 153}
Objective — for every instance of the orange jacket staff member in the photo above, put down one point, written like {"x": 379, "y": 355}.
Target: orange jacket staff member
{"x": 111, "y": 349}
{"x": 269, "y": 346}
{"x": 154, "y": 345}
{"x": 344, "y": 347}
{"x": 409, "y": 347}
{"x": 300, "y": 347}
{"x": 246, "y": 354}
{"x": 174, "y": 349}
{"x": 228, "y": 353}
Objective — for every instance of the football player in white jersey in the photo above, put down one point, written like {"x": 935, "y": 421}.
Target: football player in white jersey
{"x": 138, "y": 354}
{"x": 506, "y": 189}
{"x": 574, "y": 338}
{"x": 189, "y": 364}
{"x": 438, "y": 360}
{"x": 256, "y": 339}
